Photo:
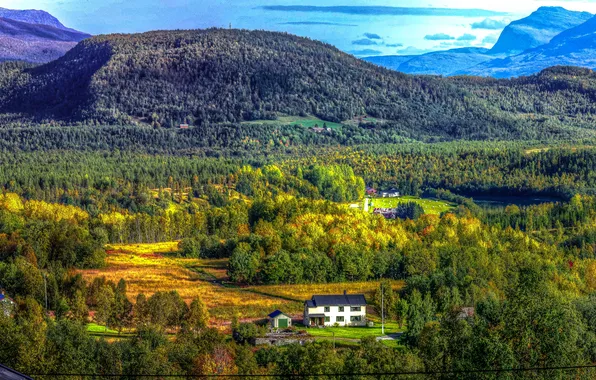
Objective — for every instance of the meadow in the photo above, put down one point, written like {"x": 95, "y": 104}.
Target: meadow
{"x": 306, "y": 122}
{"x": 430, "y": 206}
{"x": 147, "y": 268}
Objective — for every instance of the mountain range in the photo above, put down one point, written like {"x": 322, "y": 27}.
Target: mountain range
{"x": 34, "y": 36}
{"x": 218, "y": 76}
{"x": 512, "y": 54}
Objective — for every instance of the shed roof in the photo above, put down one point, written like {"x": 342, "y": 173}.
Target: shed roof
{"x": 277, "y": 313}
{"x": 337, "y": 300}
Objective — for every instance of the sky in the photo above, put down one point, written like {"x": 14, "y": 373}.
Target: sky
{"x": 362, "y": 29}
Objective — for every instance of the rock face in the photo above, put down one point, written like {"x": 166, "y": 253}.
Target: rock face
{"x": 34, "y": 36}
{"x": 574, "y": 47}
{"x": 537, "y": 29}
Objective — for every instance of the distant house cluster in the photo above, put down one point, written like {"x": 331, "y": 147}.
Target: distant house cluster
{"x": 321, "y": 130}
{"x": 391, "y": 193}
{"x": 6, "y": 305}
{"x": 329, "y": 310}
{"x": 388, "y": 213}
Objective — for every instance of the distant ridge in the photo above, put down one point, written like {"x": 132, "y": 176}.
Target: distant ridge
{"x": 34, "y": 36}
{"x": 32, "y": 16}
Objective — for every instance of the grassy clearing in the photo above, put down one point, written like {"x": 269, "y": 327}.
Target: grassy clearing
{"x": 354, "y": 332}
{"x": 98, "y": 329}
{"x": 306, "y": 122}
{"x": 430, "y": 206}
{"x": 304, "y": 292}
{"x": 144, "y": 249}
{"x": 152, "y": 272}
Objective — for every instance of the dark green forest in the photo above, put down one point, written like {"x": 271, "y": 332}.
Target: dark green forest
{"x": 216, "y": 76}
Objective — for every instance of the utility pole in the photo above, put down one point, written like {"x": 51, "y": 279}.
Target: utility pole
{"x": 383, "y": 308}
{"x": 45, "y": 284}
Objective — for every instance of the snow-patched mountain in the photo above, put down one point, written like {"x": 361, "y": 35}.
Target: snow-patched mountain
{"x": 535, "y": 30}
{"x": 573, "y": 47}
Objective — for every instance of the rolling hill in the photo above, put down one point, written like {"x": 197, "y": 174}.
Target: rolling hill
{"x": 209, "y": 77}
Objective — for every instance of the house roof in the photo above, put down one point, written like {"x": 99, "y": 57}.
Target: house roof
{"x": 337, "y": 300}
{"x": 10, "y": 374}
{"x": 276, "y": 314}
{"x": 2, "y": 296}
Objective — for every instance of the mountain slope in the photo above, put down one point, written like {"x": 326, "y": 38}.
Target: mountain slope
{"x": 574, "y": 47}
{"x": 215, "y": 76}
{"x": 34, "y": 36}
{"x": 32, "y": 17}
{"x": 537, "y": 29}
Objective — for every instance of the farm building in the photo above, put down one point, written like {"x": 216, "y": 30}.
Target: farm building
{"x": 343, "y": 309}
{"x": 184, "y": 126}
{"x": 279, "y": 320}
{"x": 371, "y": 191}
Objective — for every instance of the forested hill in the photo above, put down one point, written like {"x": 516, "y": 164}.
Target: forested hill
{"x": 214, "y": 76}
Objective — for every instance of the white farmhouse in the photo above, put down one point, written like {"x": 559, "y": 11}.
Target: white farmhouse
{"x": 344, "y": 310}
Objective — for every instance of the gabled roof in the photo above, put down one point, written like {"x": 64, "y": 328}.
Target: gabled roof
{"x": 2, "y": 296}
{"x": 10, "y": 374}
{"x": 337, "y": 300}
{"x": 276, "y": 314}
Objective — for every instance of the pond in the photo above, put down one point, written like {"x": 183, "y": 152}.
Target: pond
{"x": 519, "y": 200}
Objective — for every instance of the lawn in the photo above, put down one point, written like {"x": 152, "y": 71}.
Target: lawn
{"x": 430, "y": 206}
{"x": 354, "y": 332}
{"x": 306, "y": 122}
{"x": 98, "y": 329}
{"x": 148, "y": 273}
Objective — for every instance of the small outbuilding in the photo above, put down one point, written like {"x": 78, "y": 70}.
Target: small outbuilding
{"x": 279, "y": 320}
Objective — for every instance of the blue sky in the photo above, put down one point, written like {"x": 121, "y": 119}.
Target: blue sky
{"x": 406, "y": 31}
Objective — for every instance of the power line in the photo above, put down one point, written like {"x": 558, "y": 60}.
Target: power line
{"x": 407, "y": 373}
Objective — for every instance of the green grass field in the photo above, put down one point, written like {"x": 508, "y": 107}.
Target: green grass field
{"x": 430, "y": 206}
{"x": 354, "y": 332}
{"x": 306, "y": 122}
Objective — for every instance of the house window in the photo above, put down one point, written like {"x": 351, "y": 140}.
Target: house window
{"x": 340, "y": 319}
{"x": 355, "y": 308}
{"x": 341, "y": 309}
{"x": 327, "y": 309}
{"x": 327, "y": 319}
{"x": 356, "y": 318}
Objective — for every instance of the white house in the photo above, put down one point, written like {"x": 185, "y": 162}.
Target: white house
{"x": 344, "y": 310}
{"x": 393, "y": 193}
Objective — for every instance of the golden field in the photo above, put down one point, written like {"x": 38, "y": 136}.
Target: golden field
{"x": 146, "y": 270}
